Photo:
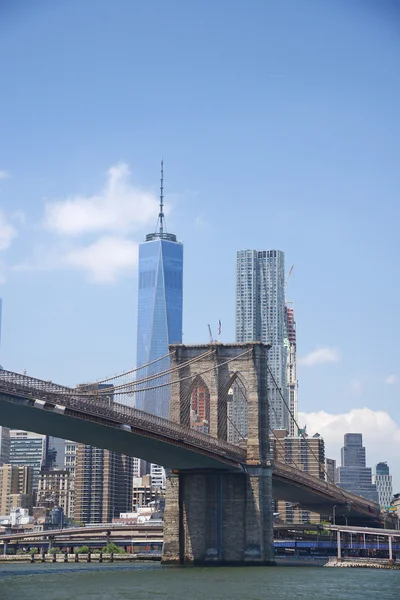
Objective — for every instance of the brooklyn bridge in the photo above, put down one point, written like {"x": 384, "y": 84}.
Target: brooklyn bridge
{"x": 217, "y": 445}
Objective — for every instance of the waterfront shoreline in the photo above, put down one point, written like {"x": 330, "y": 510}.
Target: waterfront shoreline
{"x": 77, "y": 558}
{"x": 362, "y": 563}
{"x": 99, "y": 558}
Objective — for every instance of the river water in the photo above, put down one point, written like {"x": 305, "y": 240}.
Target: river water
{"x": 152, "y": 581}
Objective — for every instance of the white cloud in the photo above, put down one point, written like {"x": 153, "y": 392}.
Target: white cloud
{"x": 7, "y": 232}
{"x": 119, "y": 208}
{"x": 391, "y": 379}
{"x": 381, "y": 435}
{"x": 4, "y": 175}
{"x": 104, "y": 260}
{"x": 320, "y": 356}
{"x": 109, "y": 223}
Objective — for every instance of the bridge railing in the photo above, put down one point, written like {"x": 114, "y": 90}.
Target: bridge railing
{"x": 125, "y": 415}
{"x": 33, "y": 383}
{"x": 325, "y": 487}
{"x": 302, "y": 477}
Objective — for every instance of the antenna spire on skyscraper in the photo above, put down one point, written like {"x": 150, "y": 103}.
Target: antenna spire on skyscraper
{"x": 161, "y": 227}
{"x": 161, "y": 213}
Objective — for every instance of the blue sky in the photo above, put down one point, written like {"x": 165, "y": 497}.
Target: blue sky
{"x": 279, "y": 126}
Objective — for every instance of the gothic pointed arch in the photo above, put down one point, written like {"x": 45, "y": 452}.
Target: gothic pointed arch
{"x": 200, "y": 405}
{"x": 237, "y": 409}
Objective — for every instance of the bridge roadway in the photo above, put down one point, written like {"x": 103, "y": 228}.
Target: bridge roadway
{"x": 102, "y": 533}
{"x": 140, "y": 531}
{"x": 50, "y": 409}
{"x": 154, "y": 532}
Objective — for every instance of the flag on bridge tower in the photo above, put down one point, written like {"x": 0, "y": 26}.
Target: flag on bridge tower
{"x": 219, "y": 327}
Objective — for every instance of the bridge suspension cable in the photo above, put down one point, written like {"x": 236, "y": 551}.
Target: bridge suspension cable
{"x": 130, "y": 372}
{"x": 192, "y": 377}
{"x": 295, "y": 463}
{"x": 300, "y": 430}
{"x": 282, "y": 445}
{"x": 143, "y": 380}
{"x": 278, "y": 440}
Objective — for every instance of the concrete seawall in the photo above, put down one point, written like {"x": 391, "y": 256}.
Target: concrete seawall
{"x": 78, "y": 558}
{"x": 363, "y": 563}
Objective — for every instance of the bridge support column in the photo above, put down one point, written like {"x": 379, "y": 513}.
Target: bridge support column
{"x": 259, "y": 516}
{"x": 219, "y": 518}
{"x": 390, "y": 549}
{"x": 5, "y": 545}
{"x": 339, "y": 547}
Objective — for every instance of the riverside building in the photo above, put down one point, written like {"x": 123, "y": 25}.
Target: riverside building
{"x": 4, "y": 445}
{"x": 28, "y": 449}
{"x": 15, "y": 488}
{"x": 304, "y": 453}
{"x": 354, "y": 476}
{"x": 103, "y": 484}
{"x": 383, "y": 481}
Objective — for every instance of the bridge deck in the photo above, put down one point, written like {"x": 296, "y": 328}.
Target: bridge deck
{"x": 46, "y": 408}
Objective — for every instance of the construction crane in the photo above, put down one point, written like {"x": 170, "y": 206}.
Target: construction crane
{"x": 289, "y": 274}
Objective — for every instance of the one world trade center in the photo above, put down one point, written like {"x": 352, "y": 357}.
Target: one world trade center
{"x": 160, "y": 303}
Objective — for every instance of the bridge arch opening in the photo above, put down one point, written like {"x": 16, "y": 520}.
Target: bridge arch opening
{"x": 237, "y": 409}
{"x": 200, "y": 406}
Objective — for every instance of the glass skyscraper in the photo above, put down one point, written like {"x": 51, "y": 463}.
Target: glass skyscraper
{"x": 354, "y": 476}
{"x": 260, "y": 316}
{"x": 384, "y": 487}
{"x": 30, "y": 450}
{"x": 160, "y": 302}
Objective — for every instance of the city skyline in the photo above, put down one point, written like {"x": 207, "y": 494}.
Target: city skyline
{"x": 268, "y": 145}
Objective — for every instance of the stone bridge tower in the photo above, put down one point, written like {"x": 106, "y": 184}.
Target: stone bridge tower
{"x": 221, "y": 517}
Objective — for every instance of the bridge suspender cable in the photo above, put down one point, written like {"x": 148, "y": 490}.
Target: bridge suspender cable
{"x": 293, "y": 417}
{"x": 299, "y": 428}
{"x": 282, "y": 445}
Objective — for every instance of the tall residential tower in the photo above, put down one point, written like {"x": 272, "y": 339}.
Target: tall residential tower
{"x": 260, "y": 316}
{"x": 160, "y": 303}
{"x": 103, "y": 484}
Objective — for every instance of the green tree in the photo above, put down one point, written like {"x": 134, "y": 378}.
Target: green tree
{"x": 111, "y": 547}
{"x": 34, "y": 551}
{"x": 82, "y": 550}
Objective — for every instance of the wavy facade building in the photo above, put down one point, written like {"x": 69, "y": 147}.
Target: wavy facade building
{"x": 260, "y": 316}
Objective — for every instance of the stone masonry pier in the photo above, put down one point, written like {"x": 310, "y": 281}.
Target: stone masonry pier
{"x": 222, "y": 517}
